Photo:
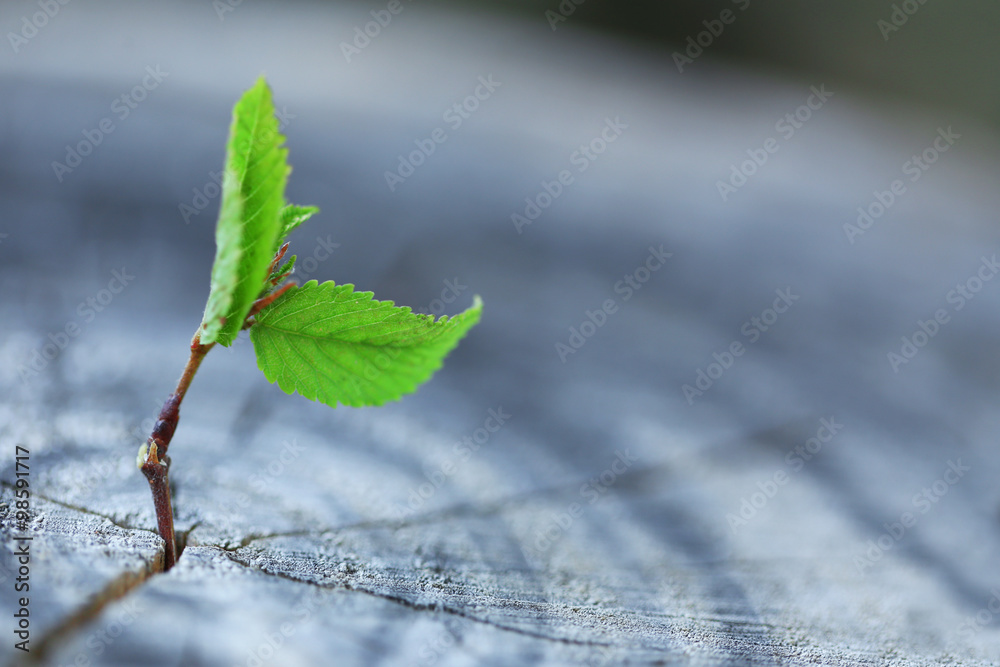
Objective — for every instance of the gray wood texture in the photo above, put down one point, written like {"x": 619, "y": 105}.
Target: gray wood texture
{"x": 596, "y": 525}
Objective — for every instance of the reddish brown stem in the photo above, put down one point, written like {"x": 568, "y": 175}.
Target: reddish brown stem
{"x": 153, "y": 460}
{"x": 157, "y": 474}
{"x": 198, "y": 352}
{"x": 264, "y": 302}
{"x": 278, "y": 256}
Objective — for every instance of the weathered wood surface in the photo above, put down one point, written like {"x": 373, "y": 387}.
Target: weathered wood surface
{"x": 335, "y": 534}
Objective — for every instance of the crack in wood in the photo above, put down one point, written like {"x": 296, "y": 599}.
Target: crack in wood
{"x": 77, "y": 508}
{"x": 116, "y": 590}
{"x": 417, "y": 606}
{"x": 454, "y": 511}
{"x": 128, "y": 582}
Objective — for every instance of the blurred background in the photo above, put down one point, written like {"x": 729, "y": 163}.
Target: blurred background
{"x": 743, "y": 249}
{"x": 937, "y": 60}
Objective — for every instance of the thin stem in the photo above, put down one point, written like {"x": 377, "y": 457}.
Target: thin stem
{"x": 157, "y": 474}
{"x": 153, "y": 460}
{"x": 198, "y": 352}
{"x": 265, "y": 301}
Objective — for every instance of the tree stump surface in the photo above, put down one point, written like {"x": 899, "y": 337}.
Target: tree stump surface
{"x": 529, "y": 505}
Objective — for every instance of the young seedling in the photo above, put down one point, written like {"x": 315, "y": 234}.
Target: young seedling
{"x": 327, "y": 342}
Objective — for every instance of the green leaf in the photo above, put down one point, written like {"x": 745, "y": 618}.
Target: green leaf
{"x": 250, "y": 223}
{"x": 334, "y": 345}
{"x": 291, "y": 217}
